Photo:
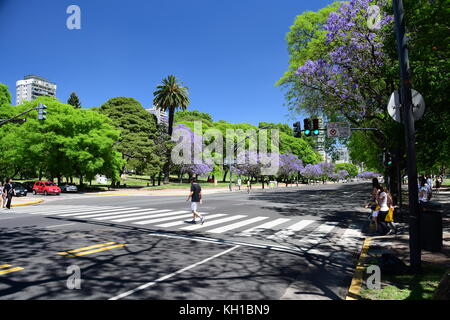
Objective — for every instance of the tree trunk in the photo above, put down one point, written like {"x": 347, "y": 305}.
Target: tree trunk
{"x": 159, "y": 179}
{"x": 225, "y": 176}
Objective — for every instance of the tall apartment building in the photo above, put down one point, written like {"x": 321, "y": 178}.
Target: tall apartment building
{"x": 161, "y": 116}
{"x": 32, "y": 87}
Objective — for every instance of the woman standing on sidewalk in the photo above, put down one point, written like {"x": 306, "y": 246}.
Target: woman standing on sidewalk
{"x": 2, "y": 196}
{"x": 9, "y": 191}
{"x": 384, "y": 209}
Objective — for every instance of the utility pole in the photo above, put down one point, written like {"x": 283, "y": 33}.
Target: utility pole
{"x": 408, "y": 121}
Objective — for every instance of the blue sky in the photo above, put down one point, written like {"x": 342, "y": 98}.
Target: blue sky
{"x": 229, "y": 53}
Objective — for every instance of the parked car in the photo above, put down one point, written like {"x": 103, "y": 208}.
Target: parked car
{"x": 46, "y": 187}
{"x": 21, "y": 191}
{"x": 68, "y": 187}
{"x": 29, "y": 185}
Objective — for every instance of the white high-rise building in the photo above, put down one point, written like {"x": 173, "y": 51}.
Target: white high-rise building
{"x": 161, "y": 116}
{"x": 32, "y": 87}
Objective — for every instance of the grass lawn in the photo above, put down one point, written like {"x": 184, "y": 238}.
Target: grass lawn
{"x": 407, "y": 287}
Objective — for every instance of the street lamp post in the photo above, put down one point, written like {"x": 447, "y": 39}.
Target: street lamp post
{"x": 408, "y": 121}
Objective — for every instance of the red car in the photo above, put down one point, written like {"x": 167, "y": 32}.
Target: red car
{"x": 46, "y": 187}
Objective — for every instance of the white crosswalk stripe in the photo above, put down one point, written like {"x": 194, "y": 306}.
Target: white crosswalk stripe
{"x": 108, "y": 213}
{"x": 236, "y": 225}
{"x": 212, "y": 223}
{"x": 289, "y": 231}
{"x": 173, "y": 216}
{"x": 319, "y": 233}
{"x": 177, "y": 223}
{"x": 258, "y": 229}
{"x": 49, "y": 211}
{"x": 126, "y": 215}
{"x": 99, "y": 211}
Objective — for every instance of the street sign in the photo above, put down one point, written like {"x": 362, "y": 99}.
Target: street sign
{"x": 338, "y": 130}
{"x": 394, "y": 107}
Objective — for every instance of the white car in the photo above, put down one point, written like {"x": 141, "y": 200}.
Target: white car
{"x": 66, "y": 187}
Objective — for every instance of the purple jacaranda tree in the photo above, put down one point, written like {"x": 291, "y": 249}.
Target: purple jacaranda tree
{"x": 368, "y": 175}
{"x": 312, "y": 171}
{"x": 289, "y": 166}
{"x": 345, "y": 79}
{"x": 193, "y": 164}
{"x": 342, "y": 174}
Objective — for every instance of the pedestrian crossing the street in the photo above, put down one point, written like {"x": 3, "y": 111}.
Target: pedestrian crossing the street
{"x": 299, "y": 232}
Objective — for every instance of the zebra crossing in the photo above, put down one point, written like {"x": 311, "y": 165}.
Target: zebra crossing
{"x": 304, "y": 232}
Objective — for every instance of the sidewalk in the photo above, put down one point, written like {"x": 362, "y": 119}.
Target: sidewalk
{"x": 25, "y": 201}
{"x": 434, "y": 264}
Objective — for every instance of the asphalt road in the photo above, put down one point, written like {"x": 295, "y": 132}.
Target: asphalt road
{"x": 287, "y": 243}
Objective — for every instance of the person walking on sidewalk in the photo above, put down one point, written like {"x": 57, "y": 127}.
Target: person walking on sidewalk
{"x": 2, "y": 196}
{"x": 249, "y": 186}
{"x": 10, "y": 192}
{"x": 196, "y": 197}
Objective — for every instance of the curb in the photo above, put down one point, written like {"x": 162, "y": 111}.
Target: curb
{"x": 27, "y": 203}
{"x": 357, "y": 281}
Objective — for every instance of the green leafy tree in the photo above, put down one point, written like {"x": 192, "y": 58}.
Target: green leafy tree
{"x": 71, "y": 142}
{"x": 5, "y": 96}
{"x": 138, "y": 130}
{"x": 74, "y": 100}
{"x": 349, "y": 167}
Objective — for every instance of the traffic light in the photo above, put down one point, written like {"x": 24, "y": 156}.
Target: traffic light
{"x": 297, "y": 130}
{"x": 316, "y": 130}
{"x": 42, "y": 112}
{"x": 307, "y": 123}
{"x": 388, "y": 161}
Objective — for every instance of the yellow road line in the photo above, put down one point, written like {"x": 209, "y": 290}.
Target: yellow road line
{"x": 26, "y": 203}
{"x": 357, "y": 280}
{"x": 86, "y": 248}
{"x": 11, "y": 270}
{"x": 5, "y": 266}
{"x": 96, "y": 250}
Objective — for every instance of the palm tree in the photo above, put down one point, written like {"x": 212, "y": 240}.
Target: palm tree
{"x": 170, "y": 95}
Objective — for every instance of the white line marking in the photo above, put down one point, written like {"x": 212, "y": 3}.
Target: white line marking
{"x": 237, "y": 225}
{"x": 265, "y": 226}
{"x": 212, "y": 223}
{"x": 99, "y": 211}
{"x": 49, "y": 211}
{"x": 177, "y": 223}
{"x": 162, "y": 213}
{"x": 289, "y": 231}
{"x": 318, "y": 234}
{"x": 142, "y": 287}
{"x": 174, "y": 217}
{"x": 60, "y": 225}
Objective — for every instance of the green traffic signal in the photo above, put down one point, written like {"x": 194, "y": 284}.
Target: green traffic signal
{"x": 307, "y": 132}
{"x": 316, "y": 132}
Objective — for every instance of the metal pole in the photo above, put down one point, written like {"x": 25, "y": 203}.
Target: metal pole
{"x": 230, "y": 175}
{"x": 408, "y": 121}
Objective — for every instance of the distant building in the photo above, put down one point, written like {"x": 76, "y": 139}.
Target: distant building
{"x": 343, "y": 156}
{"x": 161, "y": 116}
{"x": 320, "y": 146}
{"x": 32, "y": 87}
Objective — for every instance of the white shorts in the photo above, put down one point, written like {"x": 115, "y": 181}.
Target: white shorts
{"x": 194, "y": 206}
